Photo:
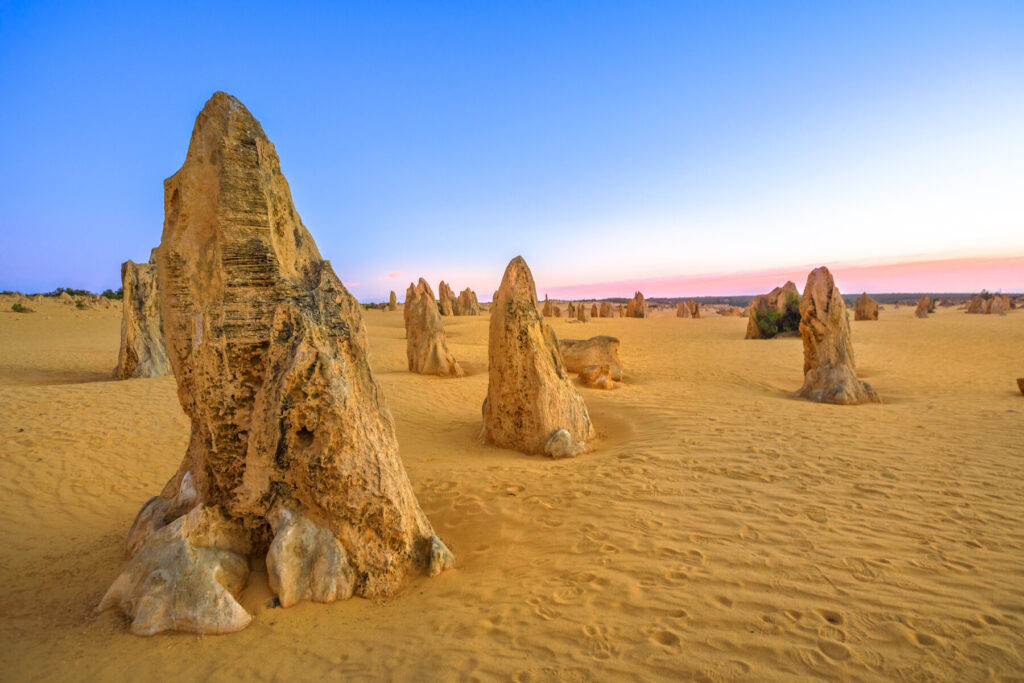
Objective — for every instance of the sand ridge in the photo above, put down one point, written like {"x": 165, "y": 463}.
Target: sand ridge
{"x": 720, "y": 529}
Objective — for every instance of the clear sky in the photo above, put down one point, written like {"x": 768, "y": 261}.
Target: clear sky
{"x": 606, "y": 142}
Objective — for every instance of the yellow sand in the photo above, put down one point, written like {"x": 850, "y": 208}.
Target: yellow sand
{"x": 720, "y": 529}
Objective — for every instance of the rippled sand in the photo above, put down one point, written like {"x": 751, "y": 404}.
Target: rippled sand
{"x": 720, "y": 529}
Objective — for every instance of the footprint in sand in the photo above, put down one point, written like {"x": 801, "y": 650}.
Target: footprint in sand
{"x": 446, "y": 489}
{"x": 724, "y": 601}
{"x": 860, "y": 569}
{"x": 816, "y": 513}
{"x": 666, "y": 639}
{"x": 831, "y": 616}
{"x": 834, "y": 650}
{"x": 542, "y": 610}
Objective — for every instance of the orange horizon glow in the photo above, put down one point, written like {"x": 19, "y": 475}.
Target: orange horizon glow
{"x": 960, "y": 275}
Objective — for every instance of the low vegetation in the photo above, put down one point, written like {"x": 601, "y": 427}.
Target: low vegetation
{"x": 774, "y": 323}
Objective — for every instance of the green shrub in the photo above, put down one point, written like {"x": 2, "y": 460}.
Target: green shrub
{"x": 777, "y": 322}
{"x": 18, "y": 308}
{"x": 70, "y": 292}
{"x": 111, "y": 294}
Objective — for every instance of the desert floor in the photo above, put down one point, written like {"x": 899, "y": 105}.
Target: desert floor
{"x": 720, "y": 529}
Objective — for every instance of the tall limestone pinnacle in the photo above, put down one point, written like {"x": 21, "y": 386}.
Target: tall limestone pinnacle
{"x": 531, "y": 403}
{"x": 293, "y": 453}
{"x": 829, "y": 373}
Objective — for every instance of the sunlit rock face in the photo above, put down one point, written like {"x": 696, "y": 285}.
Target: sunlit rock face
{"x": 293, "y": 453}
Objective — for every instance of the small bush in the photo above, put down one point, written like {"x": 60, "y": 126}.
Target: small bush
{"x": 777, "y": 322}
{"x": 111, "y": 294}
{"x": 81, "y": 305}
{"x": 18, "y": 308}
{"x": 69, "y": 291}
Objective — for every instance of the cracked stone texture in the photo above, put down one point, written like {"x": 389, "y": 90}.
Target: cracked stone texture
{"x": 142, "y": 352}
{"x": 269, "y": 353}
{"x": 829, "y": 374}
{"x": 529, "y": 393}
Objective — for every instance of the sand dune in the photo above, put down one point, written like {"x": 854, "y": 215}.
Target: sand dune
{"x": 720, "y": 529}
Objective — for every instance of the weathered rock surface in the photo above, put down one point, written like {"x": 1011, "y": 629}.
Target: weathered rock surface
{"x": 529, "y": 393}
{"x": 595, "y": 312}
{"x": 597, "y": 377}
{"x": 269, "y": 352}
{"x": 185, "y": 577}
{"x": 866, "y": 308}
{"x": 774, "y": 313}
{"x": 1020, "y": 384}
{"x": 393, "y": 301}
{"x": 601, "y": 350}
{"x": 829, "y": 374}
{"x": 426, "y": 346}
{"x": 583, "y": 313}
{"x": 142, "y": 352}
{"x": 446, "y": 300}
{"x": 683, "y": 310}
{"x": 622, "y": 311}
{"x": 694, "y": 309}
{"x": 606, "y": 309}
{"x": 636, "y": 307}
{"x": 924, "y": 307}
{"x": 548, "y": 310}
{"x": 990, "y": 304}
{"x": 467, "y": 304}
{"x": 561, "y": 445}
{"x": 306, "y": 561}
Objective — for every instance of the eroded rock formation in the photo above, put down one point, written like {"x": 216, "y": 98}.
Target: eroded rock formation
{"x": 694, "y": 309}
{"x": 597, "y": 377}
{"x": 866, "y": 308}
{"x": 606, "y": 309}
{"x": 142, "y": 352}
{"x": 529, "y": 394}
{"x": 601, "y": 350}
{"x": 924, "y": 307}
{"x": 446, "y": 300}
{"x": 683, "y": 310}
{"x": 293, "y": 453}
{"x": 583, "y": 313}
{"x": 990, "y": 304}
{"x": 774, "y": 313}
{"x": 426, "y": 347}
{"x": 548, "y": 311}
{"x": 829, "y": 374}
{"x": 466, "y": 304}
{"x": 636, "y": 307}
{"x": 393, "y": 301}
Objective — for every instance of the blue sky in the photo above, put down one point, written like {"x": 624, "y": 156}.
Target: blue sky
{"x": 602, "y": 141}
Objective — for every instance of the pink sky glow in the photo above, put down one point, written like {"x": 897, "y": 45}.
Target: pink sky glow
{"x": 936, "y": 275}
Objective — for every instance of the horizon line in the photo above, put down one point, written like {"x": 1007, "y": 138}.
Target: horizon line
{"x": 964, "y": 274}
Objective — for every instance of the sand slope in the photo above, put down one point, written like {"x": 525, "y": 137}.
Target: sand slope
{"x": 720, "y": 530}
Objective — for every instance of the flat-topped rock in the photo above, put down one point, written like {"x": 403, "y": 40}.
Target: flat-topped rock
{"x": 600, "y": 350}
